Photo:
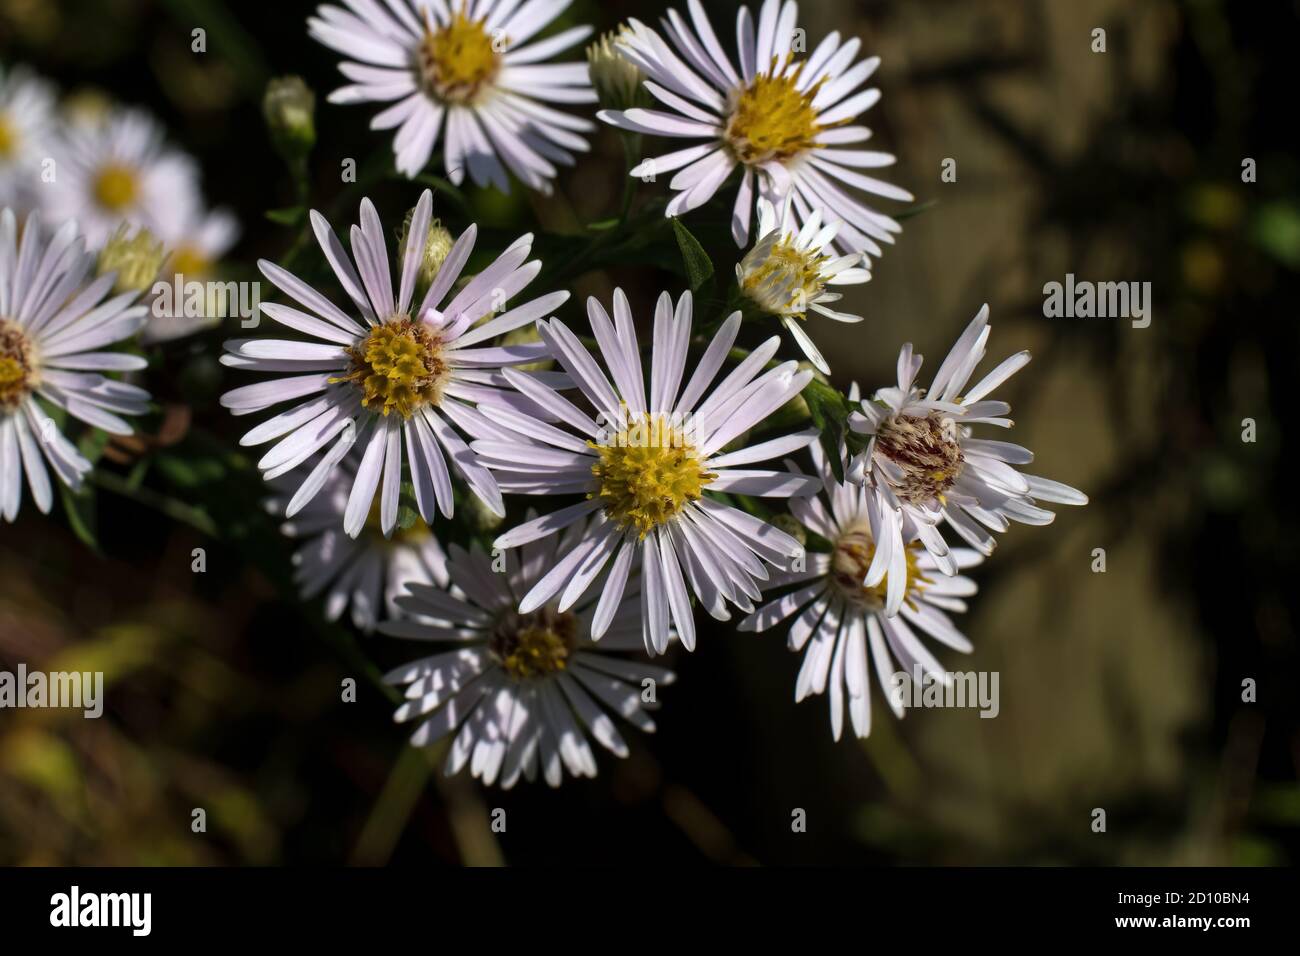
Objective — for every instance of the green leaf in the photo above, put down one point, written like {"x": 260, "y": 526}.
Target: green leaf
{"x": 80, "y": 507}
{"x": 829, "y": 410}
{"x": 699, "y": 267}
{"x": 603, "y": 225}
{"x": 285, "y": 217}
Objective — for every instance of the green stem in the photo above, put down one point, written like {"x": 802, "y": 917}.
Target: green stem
{"x": 392, "y": 810}
{"x": 170, "y": 507}
{"x": 631, "y": 154}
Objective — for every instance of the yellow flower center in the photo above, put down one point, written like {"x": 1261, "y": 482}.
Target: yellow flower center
{"x": 926, "y": 450}
{"x": 189, "y": 261}
{"x": 772, "y": 118}
{"x": 458, "y": 60}
{"x": 648, "y": 473}
{"x": 398, "y": 367}
{"x": 784, "y": 281}
{"x": 850, "y": 561}
{"x": 17, "y": 365}
{"x": 534, "y": 645}
{"x": 8, "y": 138}
{"x": 116, "y": 187}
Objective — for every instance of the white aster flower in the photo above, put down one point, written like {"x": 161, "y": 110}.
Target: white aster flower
{"x": 466, "y": 64}
{"x": 925, "y": 465}
{"x": 196, "y": 238}
{"x": 781, "y": 119}
{"x": 789, "y": 268}
{"x": 404, "y": 376}
{"x": 367, "y": 573}
{"x": 52, "y": 324}
{"x": 522, "y": 690}
{"x": 847, "y": 620}
{"x": 26, "y": 119}
{"x": 646, "y": 468}
{"x": 119, "y": 170}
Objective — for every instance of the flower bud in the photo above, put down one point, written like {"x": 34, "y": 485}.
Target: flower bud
{"x": 135, "y": 255}
{"x": 616, "y": 79}
{"x": 435, "y": 250}
{"x": 289, "y": 106}
{"x": 87, "y": 107}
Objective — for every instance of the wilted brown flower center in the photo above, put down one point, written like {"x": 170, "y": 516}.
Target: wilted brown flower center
{"x": 926, "y": 450}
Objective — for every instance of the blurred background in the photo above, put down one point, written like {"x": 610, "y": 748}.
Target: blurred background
{"x": 1119, "y": 690}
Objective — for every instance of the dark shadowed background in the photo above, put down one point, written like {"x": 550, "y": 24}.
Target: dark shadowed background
{"x": 1119, "y": 690}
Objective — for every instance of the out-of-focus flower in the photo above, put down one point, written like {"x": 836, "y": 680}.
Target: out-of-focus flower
{"x": 87, "y": 106}
{"x": 196, "y": 238}
{"x": 26, "y": 119}
{"x": 118, "y": 171}
{"x": 133, "y": 256}
{"x": 52, "y": 327}
{"x": 289, "y": 108}
{"x": 367, "y": 573}
{"x": 521, "y": 690}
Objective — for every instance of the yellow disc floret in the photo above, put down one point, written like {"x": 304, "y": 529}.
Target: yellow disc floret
{"x": 849, "y": 563}
{"x": 398, "y": 367}
{"x": 648, "y": 473}
{"x": 773, "y": 118}
{"x": 17, "y": 367}
{"x": 458, "y": 60}
{"x": 191, "y": 262}
{"x": 534, "y": 645}
{"x": 116, "y": 187}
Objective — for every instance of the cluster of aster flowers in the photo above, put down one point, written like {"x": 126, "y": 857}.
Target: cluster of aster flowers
{"x": 128, "y": 208}
{"x": 411, "y": 391}
{"x": 137, "y": 200}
